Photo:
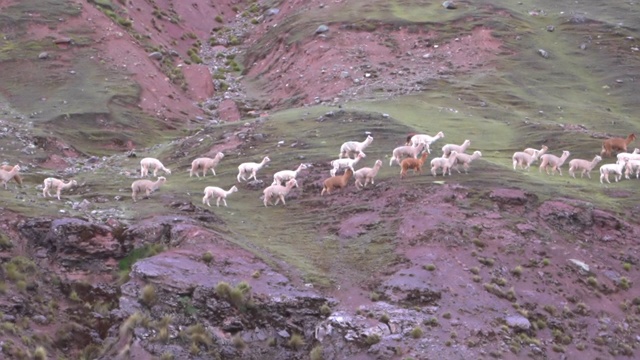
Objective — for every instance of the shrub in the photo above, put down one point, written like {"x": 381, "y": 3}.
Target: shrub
{"x": 374, "y": 296}
{"x": 384, "y": 318}
{"x": 372, "y": 339}
{"x": 74, "y": 296}
{"x": 316, "y": 353}
{"x": 207, "y": 257}
{"x": 430, "y": 267}
{"x": 148, "y": 295}
{"x": 223, "y": 289}
{"x": 40, "y": 353}
{"x": 626, "y": 266}
{"x": 219, "y": 19}
{"x": 296, "y": 341}
{"x": 325, "y": 310}
{"x": 517, "y": 271}
{"x": 447, "y": 315}
{"x": 238, "y": 342}
{"x": 416, "y": 332}
{"x": 624, "y": 283}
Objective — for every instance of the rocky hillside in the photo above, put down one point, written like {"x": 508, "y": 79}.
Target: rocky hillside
{"x": 486, "y": 263}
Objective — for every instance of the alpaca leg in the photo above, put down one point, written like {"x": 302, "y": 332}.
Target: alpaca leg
{"x": 58, "y": 193}
{"x": 213, "y": 171}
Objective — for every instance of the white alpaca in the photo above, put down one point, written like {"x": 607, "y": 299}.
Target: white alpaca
{"x": 205, "y": 163}
{"x": 218, "y": 193}
{"x": 367, "y": 174}
{"x": 407, "y": 150}
{"x": 444, "y": 163}
{"x": 146, "y": 186}
{"x": 523, "y": 159}
{"x": 536, "y": 155}
{"x": 58, "y": 185}
{"x": 154, "y": 163}
{"x": 465, "y": 160}
{"x": 549, "y": 160}
{"x": 425, "y": 139}
{"x": 345, "y": 163}
{"x": 251, "y": 168}
{"x": 285, "y": 175}
{"x": 279, "y": 192}
{"x": 5, "y": 176}
{"x": 584, "y": 165}
{"x": 354, "y": 146}
{"x": 447, "y": 149}
{"x": 615, "y": 169}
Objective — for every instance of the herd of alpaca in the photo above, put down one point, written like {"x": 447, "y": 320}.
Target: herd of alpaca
{"x": 411, "y": 156}
{"x": 626, "y": 163}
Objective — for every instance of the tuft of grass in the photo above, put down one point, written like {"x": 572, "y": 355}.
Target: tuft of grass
{"x": 372, "y": 339}
{"x": 272, "y": 342}
{"x": 477, "y": 278}
{"x": 40, "y": 353}
{"x": 430, "y": 267}
{"x": 166, "y": 356}
{"x": 592, "y": 281}
{"x": 486, "y": 261}
{"x": 374, "y": 296}
{"x": 129, "y": 324}
{"x": 479, "y": 243}
{"x": 238, "y": 342}
{"x": 447, "y": 315}
{"x": 416, "y": 332}
{"x": 74, "y": 296}
{"x": 433, "y": 322}
{"x": 316, "y": 353}
{"x": 624, "y": 283}
{"x": 296, "y": 341}
{"x": 384, "y": 318}
{"x": 546, "y": 262}
{"x": 325, "y": 310}
{"x": 223, "y": 289}
{"x": 148, "y": 295}
{"x": 517, "y": 271}
{"x": 207, "y": 257}
{"x": 626, "y": 266}
{"x": 475, "y": 270}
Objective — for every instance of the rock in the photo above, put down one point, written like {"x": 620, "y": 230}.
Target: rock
{"x": 43, "y": 55}
{"x": 449, "y": 5}
{"x": 543, "y": 53}
{"x": 551, "y": 28}
{"x": 156, "y": 55}
{"x": 518, "y": 322}
{"x": 580, "y": 265}
{"x": 272, "y": 12}
{"x": 322, "y": 29}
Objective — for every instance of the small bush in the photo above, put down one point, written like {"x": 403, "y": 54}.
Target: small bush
{"x": 325, "y": 310}
{"x": 207, "y": 257}
{"x": 430, "y": 267}
{"x": 148, "y": 295}
{"x": 546, "y": 262}
{"x": 372, "y": 339}
{"x": 447, "y": 315}
{"x": 238, "y": 342}
{"x": 40, "y": 353}
{"x": 486, "y": 261}
{"x": 626, "y": 266}
{"x": 431, "y": 322}
{"x": 166, "y": 356}
{"x": 316, "y": 353}
{"x": 384, "y": 318}
{"x": 374, "y": 296}
{"x": 74, "y": 296}
{"x": 592, "y": 281}
{"x": 416, "y": 332}
{"x": 479, "y": 243}
{"x": 475, "y": 270}
{"x": 219, "y": 19}
{"x": 296, "y": 341}
{"x": 517, "y": 271}
{"x": 223, "y": 290}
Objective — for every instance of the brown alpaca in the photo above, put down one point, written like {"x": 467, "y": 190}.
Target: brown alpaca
{"x": 616, "y": 144}
{"x": 16, "y": 177}
{"x": 415, "y": 164}
{"x": 336, "y": 182}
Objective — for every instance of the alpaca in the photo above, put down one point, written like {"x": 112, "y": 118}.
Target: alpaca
{"x": 205, "y": 163}
{"x": 17, "y": 178}
{"x": 219, "y": 193}
{"x": 251, "y": 168}
{"x": 616, "y": 144}
{"x": 278, "y": 191}
{"x": 585, "y": 165}
{"x": 523, "y": 159}
{"x": 415, "y": 164}
{"x": 146, "y": 186}
{"x": 336, "y": 182}
{"x": 549, "y": 160}
{"x": 154, "y": 163}
{"x": 6, "y": 176}
{"x": 59, "y": 185}
{"x": 367, "y": 174}
{"x": 354, "y": 146}
{"x": 401, "y": 151}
